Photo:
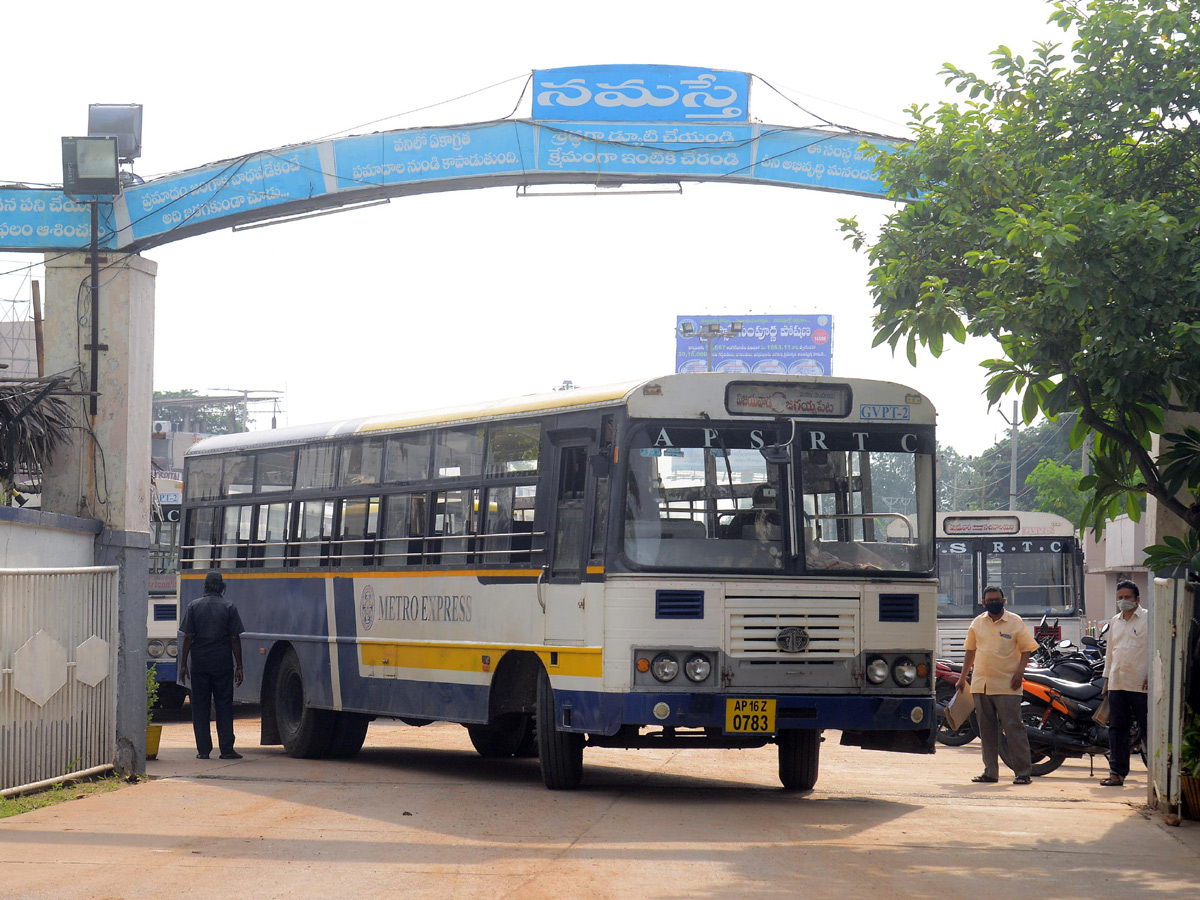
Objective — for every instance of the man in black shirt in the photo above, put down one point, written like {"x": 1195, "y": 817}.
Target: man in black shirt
{"x": 212, "y": 632}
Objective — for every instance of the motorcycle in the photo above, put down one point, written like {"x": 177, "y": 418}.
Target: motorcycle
{"x": 1057, "y": 715}
{"x": 946, "y": 674}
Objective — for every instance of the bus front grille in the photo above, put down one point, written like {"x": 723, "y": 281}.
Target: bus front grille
{"x": 830, "y": 625}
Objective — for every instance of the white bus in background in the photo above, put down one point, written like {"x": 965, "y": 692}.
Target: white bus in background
{"x": 1035, "y": 557}
{"x": 162, "y": 610}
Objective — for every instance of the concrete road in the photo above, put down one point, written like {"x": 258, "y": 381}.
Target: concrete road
{"x": 419, "y": 814}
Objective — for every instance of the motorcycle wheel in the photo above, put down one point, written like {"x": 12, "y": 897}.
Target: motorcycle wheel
{"x": 1043, "y": 761}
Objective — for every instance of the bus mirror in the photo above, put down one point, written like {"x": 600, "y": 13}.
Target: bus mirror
{"x": 602, "y": 462}
{"x": 777, "y": 454}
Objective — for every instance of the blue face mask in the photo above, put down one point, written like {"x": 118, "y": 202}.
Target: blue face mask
{"x": 994, "y": 607}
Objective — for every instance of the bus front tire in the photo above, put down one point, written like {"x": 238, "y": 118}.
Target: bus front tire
{"x": 306, "y": 732}
{"x": 560, "y": 752}
{"x": 799, "y": 758}
{"x": 503, "y": 739}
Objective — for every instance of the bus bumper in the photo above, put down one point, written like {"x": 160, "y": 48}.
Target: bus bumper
{"x": 606, "y": 714}
{"x": 166, "y": 671}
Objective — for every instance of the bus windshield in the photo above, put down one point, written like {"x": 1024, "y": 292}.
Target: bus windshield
{"x": 709, "y": 498}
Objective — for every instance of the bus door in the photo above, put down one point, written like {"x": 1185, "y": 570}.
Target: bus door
{"x": 561, "y": 584}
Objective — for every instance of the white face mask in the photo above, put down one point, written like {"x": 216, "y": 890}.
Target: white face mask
{"x": 1126, "y": 605}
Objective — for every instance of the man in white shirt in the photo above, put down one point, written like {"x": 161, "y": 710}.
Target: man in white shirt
{"x": 1125, "y": 678}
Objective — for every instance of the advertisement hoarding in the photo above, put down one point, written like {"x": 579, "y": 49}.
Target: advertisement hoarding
{"x": 766, "y": 345}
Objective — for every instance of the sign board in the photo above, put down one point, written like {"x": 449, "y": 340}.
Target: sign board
{"x": 767, "y": 345}
{"x": 641, "y": 94}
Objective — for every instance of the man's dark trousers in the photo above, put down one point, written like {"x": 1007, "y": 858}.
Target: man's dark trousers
{"x": 215, "y": 688}
{"x": 1124, "y": 708}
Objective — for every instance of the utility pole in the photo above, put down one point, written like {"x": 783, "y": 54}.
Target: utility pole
{"x": 1012, "y": 471}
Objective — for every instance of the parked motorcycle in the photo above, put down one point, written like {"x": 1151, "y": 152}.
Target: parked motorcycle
{"x": 1057, "y": 715}
{"x": 946, "y": 673}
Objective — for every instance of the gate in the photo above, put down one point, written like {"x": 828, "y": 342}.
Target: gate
{"x": 58, "y": 674}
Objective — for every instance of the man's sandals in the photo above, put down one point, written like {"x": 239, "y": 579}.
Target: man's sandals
{"x": 984, "y": 779}
{"x": 1112, "y": 781}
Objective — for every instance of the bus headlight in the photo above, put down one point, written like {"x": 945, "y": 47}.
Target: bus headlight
{"x": 155, "y": 649}
{"x": 665, "y": 667}
{"x": 904, "y": 671}
{"x": 172, "y": 649}
{"x": 697, "y": 668}
{"x": 877, "y": 670}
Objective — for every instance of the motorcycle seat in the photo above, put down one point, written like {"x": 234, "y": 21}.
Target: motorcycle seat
{"x": 1074, "y": 690}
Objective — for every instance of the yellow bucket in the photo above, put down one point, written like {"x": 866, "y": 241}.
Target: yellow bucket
{"x": 153, "y": 736}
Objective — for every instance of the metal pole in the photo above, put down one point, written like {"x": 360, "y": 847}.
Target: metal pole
{"x": 95, "y": 345}
{"x": 1012, "y": 473}
{"x": 708, "y": 341}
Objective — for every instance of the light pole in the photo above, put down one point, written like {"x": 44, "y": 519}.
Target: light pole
{"x": 709, "y": 332}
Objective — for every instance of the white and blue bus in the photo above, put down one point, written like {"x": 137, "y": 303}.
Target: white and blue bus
{"x": 706, "y": 560}
{"x": 1034, "y": 557}
{"x": 162, "y": 608}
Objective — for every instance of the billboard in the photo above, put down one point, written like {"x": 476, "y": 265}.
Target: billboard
{"x": 767, "y": 345}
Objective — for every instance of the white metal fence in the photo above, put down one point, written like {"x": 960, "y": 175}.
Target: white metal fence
{"x": 58, "y": 673}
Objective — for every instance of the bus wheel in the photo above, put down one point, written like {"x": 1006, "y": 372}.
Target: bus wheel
{"x": 170, "y": 696}
{"x": 799, "y": 758}
{"x": 560, "y": 752}
{"x": 502, "y": 739}
{"x": 528, "y": 748}
{"x": 349, "y": 732}
{"x": 306, "y": 732}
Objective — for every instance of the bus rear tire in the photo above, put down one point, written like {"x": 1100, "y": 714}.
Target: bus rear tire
{"x": 503, "y": 739}
{"x": 799, "y": 758}
{"x": 306, "y": 732}
{"x": 560, "y": 752}
{"x": 349, "y": 732}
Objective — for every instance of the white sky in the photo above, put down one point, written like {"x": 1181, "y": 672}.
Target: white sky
{"x": 447, "y": 298}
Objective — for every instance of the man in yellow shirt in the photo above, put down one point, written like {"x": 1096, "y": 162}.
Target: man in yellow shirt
{"x": 998, "y": 645}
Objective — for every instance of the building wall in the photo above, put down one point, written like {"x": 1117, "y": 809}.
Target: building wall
{"x": 31, "y": 539}
{"x": 1112, "y": 558}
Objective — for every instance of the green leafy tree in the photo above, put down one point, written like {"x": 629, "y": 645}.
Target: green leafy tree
{"x": 200, "y": 415}
{"x": 1056, "y": 208}
{"x": 1056, "y": 490}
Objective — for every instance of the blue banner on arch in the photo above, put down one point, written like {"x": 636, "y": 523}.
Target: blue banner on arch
{"x": 640, "y": 94}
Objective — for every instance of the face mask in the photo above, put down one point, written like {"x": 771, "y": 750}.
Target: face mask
{"x": 994, "y": 607}
{"x": 1126, "y": 605}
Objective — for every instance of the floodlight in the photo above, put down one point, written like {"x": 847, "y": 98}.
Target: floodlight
{"x": 90, "y": 165}
{"x": 735, "y": 327}
{"x": 687, "y": 329}
{"x": 120, "y": 120}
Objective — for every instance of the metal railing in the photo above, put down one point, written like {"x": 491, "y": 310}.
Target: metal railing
{"x": 363, "y": 551}
{"x": 58, "y": 674}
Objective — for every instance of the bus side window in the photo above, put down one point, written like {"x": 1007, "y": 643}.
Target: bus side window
{"x": 271, "y": 534}
{"x": 454, "y": 519}
{"x": 404, "y": 530}
{"x": 360, "y": 525}
{"x": 314, "y": 528}
{"x": 235, "y": 539}
{"x": 197, "y": 546}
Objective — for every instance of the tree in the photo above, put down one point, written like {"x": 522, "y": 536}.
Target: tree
{"x": 206, "y": 415}
{"x": 1056, "y": 490}
{"x": 1057, "y": 208}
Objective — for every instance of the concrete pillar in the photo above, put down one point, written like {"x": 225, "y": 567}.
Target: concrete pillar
{"x": 105, "y": 473}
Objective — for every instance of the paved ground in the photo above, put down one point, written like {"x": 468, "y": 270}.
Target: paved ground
{"x": 420, "y": 814}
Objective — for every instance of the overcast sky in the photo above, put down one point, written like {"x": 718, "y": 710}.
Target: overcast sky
{"x": 447, "y": 298}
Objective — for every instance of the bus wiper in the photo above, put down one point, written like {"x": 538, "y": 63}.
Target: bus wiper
{"x": 725, "y": 452}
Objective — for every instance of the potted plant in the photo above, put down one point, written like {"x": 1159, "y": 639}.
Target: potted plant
{"x": 153, "y": 732}
{"x": 1189, "y": 763}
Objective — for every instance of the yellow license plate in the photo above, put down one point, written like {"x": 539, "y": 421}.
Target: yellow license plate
{"x": 744, "y": 716}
